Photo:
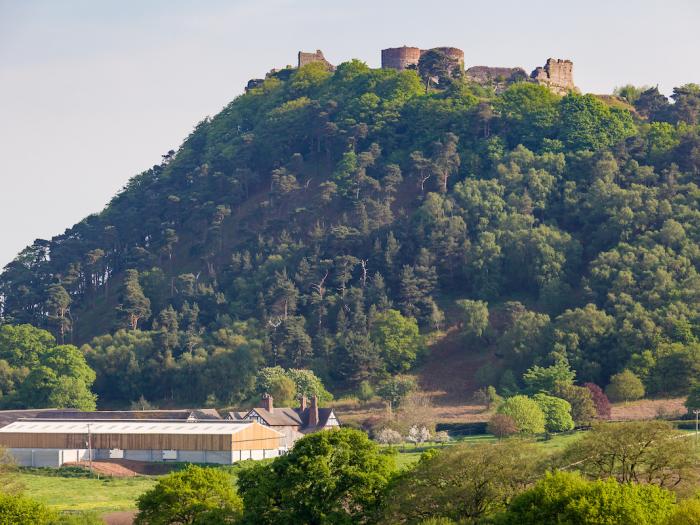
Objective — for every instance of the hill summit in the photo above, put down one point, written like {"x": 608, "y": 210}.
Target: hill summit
{"x": 341, "y": 219}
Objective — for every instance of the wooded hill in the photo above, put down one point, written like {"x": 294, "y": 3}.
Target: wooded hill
{"x": 322, "y": 219}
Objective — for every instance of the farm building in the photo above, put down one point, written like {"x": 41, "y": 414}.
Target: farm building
{"x": 294, "y": 423}
{"x": 53, "y": 442}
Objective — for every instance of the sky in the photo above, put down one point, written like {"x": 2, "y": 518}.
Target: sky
{"x": 94, "y": 92}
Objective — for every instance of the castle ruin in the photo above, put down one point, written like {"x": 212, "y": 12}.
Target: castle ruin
{"x": 400, "y": 58}
{"x": 556, "y": 74}
{"x": 304, "y": 58}
{"x": 405, "y": 57}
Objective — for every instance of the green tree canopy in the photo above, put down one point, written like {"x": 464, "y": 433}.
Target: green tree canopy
{"x": 525, "y": 412}
{"x": 625, "y": 386}
{"x": 398, "y": 339}
{"x": 564, "y": 497}
{"x": 461, "y": 482}
{"x": 557, "y": 413}
{"x": 193, "y": 495}
{"x": 333, "y": 477}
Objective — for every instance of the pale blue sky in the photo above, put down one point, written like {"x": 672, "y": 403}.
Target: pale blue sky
{"x": 94, "y": 91}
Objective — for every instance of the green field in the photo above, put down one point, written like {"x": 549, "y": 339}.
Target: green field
{"x": 408, "y": 454}
{"x": 72, "y": 491}
{"x": 86, "y": 494}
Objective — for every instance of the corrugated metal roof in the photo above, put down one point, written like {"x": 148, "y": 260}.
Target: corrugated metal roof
{"x": 37, "y": 426}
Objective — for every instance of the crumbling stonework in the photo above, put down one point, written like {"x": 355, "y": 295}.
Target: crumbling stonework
{"x": 400, "y": 58}
{"x": 556, "y": 74}
{"x": 452, "y": 52}
{"x": 308, "y": 58}
{"x": 498, "y": 77}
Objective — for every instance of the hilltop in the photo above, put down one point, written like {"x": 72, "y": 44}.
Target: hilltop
{"x": 364, "y": 223}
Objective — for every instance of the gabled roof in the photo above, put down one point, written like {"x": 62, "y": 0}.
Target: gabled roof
{"x": 285, "y": 416}
{"x": 323, "y": 415}
{"x": 280, "y": 416}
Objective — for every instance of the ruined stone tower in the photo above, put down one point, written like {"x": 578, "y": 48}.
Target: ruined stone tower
{"x": 400, "y": 58}
{"x": 405, "y": 57}
{"x": 557, "y": 75}
{"x": 308, "y": 58}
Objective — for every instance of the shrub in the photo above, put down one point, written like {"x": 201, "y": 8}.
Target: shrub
{"x": 365, "y": 392}
{"x": 488, "y": 396}
{"x": 502, "y": 426}
{"x": 557, "y": 413}
{"x": 442, "y": 437}
{"x": 16, "y": 509}
{"x": 418, "y": 434}
{"x": 79, "y": 518}
{"x": 526, "y": 413}
{"x": 600, "y": 400}
{"x": 687, "y": 512}
{"x": 395, "y": 389}
{"x": 388, "y": 436}
{"x": 625, "y": 386}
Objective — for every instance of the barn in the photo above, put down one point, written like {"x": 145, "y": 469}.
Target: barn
{"x": 53, "y": 442}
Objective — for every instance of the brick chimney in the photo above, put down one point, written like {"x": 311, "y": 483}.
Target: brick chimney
{"x": 313, "y": 413}
{"x": 267, "y": 403}
{"x": 302, "y": 404}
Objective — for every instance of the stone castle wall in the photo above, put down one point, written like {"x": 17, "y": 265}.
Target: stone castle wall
{"x": 400, "y": 58}
{"x": 556, "y": 74}
{"x": 309, "y": 58}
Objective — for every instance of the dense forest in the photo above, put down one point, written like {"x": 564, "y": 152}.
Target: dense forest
{"x": 330, "y": 220}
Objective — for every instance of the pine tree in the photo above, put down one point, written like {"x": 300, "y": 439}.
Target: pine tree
{"x": 58, "y": 305}
{"x": 134, "y": 304}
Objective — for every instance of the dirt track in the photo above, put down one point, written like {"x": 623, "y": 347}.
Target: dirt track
{"x": 124, "y": 468}
{"x": 125, "y": 517}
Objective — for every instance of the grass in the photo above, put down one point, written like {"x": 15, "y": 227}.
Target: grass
{"x": 74, "y": 488}
{"x": 407, "y": 455}
{"x": 85, "y": 493}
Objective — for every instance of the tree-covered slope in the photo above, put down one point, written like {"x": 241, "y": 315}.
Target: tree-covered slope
{"x": 322, "y": 219}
